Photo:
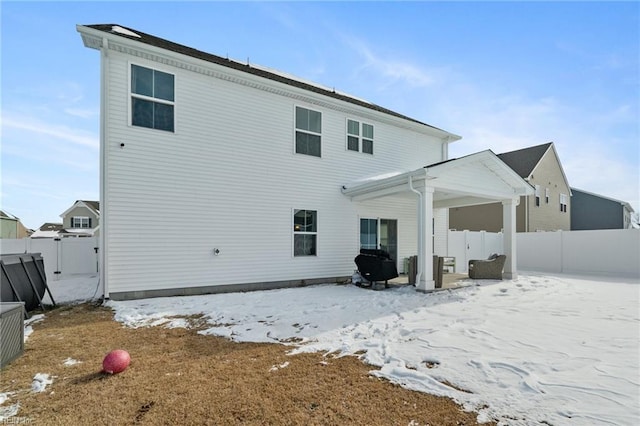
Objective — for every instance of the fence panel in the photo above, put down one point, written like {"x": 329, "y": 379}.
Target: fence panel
{"x": 602, "y": 252}
{"x": 539, "y": 251}
{"x": 62, "y": 256}
{"x": 48, "y": 247}
{"x": 467, "y": 245}
{"x": 13, "y": 246}
{"x": 78, "y": 256}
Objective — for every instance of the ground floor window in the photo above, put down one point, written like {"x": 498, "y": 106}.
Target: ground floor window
{"x": 305, "y": 232}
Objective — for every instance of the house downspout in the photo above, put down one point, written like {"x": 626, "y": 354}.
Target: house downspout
{"x": 104, "y": 226}
{"x": 420, "y": 225}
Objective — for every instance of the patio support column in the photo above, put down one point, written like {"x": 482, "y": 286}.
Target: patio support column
{"x": 509, "y": 229}
{"x": 425, "y": 241}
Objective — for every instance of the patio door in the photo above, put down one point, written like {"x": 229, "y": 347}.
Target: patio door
{"x": 380, "y": 234}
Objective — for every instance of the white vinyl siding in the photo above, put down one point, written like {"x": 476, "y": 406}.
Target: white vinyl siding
{"x": 230, "y": 183}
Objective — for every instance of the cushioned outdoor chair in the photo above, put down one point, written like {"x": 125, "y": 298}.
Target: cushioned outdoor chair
{"x": 487, "y": 269}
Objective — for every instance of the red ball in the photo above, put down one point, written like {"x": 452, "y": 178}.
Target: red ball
{"x": 116, "y": 361}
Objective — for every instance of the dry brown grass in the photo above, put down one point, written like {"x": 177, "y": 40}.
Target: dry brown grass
{"x": 179, "y": 377}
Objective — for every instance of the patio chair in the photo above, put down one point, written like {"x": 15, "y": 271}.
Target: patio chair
{"x": 487, "y": 268}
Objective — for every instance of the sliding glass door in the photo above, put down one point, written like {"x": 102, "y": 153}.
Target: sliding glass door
{"x": 380, "y": 233}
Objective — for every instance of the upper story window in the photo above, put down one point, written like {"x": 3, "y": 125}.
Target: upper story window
{"x": 563, "y": 203}
{"x": 305, "y": 232}
{"x": 359, "y": 137}
{"x": 537, "y": 195}
{"x": 80, "y": 222}
{"x": 546, "y": 195}
{"x": 152, "y": 98}
{"x": 308, "y": 131}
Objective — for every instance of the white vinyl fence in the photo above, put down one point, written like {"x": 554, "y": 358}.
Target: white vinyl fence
{"x": 614, "y": 252}
{"x": 602, "y": 252}
{"x": 62, "y": 256}
{"x": 467, "y": 245}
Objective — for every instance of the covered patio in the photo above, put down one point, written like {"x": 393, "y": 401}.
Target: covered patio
{"x": 478, "y": 178}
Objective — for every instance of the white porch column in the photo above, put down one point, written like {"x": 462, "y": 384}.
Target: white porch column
{"x": 509, "y": 229}
{"x": 425, "y": 238}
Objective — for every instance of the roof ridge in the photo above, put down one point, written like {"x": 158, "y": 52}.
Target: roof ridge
{"x": 209, "y": 57}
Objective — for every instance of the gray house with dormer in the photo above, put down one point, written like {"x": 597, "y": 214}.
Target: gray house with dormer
{"x": 548, "y": 209}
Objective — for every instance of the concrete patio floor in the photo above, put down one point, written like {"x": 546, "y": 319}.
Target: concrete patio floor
{"x": 449, "y": 280}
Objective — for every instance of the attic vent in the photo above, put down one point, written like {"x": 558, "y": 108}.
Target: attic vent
{"x": 124, "y": 31}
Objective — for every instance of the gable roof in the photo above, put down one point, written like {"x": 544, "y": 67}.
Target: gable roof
{"x": 93, "y": 206}
{"x": 523, "y": 161}
{"x": 494, "y": 181}
{"x": 151, "y": 40}
{"x": 7, "y": 215}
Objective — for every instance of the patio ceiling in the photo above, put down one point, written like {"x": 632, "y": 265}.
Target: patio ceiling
{"x": 478, "y": 178}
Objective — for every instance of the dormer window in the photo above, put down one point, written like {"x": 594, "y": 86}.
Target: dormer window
{"x": 152, "y": 98}
{"x": 80, "y": 222}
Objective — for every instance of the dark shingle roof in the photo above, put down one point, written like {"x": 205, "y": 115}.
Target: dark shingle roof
{"x": 523, "y": 161}
{"x": 51, "y": 227}
{"x": 6, "y": 215}
{"x": 185, "y": 50}
{"x": 93, "y": 204}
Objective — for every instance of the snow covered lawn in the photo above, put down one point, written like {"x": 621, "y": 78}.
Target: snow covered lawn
{"x": 537, "y": 350}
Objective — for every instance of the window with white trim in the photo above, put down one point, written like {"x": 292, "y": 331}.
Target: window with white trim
{"x": 308, "y": 131}
{"x": 152, "y": 98}
{"x": 369, "y": 233}
{"x": 546, "y": 195}
{"x": 305, "y": 232}
{"x": 537, "y": 195}
{"x": 359, "y": 137}
{"x": 563, "y": 203}
{"x": 80, "y": 222}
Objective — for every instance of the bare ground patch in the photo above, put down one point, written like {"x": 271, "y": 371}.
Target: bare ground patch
{"x": 179, "y": 377}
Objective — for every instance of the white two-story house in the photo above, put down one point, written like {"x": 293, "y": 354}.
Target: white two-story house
{"x": 222, "y": 176}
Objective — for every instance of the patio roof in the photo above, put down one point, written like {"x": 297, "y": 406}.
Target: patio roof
{"x": 478, "y": 178}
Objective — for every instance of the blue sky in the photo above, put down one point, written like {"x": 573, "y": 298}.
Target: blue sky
{"x": 503, "y": 75}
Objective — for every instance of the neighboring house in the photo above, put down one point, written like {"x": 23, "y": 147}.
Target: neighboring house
{"x": 219, "y": 176}
{"x": 11, "y": 227}
{"x": 547, "y": 209}
{"x": 48, "y": 230}
{"x": 82, "y": 219}
{"x": 593, "y": 211}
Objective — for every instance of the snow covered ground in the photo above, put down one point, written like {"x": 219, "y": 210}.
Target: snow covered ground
{"x": 538, "y": 350}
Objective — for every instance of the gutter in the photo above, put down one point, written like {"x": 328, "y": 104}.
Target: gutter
{"x": 104, "y": 208}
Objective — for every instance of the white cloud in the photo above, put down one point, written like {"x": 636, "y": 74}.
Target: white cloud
{"x": 31, "y": 125}
{"x": 82, "y": 112}
{"x": 597, "y": 144}
{"x": 392, "y": 69}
